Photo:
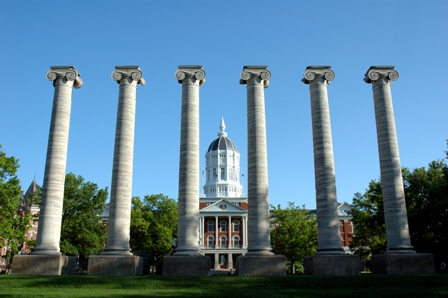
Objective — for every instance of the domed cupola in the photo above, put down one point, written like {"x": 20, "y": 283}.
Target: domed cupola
{"x": 222, "y": 142}
{"x": 222, "y": 167}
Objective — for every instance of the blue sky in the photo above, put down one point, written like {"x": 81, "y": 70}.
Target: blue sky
{"x": 223, "y": 36}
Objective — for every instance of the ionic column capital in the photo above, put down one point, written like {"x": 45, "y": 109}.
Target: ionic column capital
{"x": 129, "y": 74}
{"x": 378, "y": 73}
{"x": 318, "y": 74}
{"x": 194, "y": 72}
{"x": 259, "y": 73}
{"x": 68, "y": 73}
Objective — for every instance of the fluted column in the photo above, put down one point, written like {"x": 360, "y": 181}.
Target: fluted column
{"x": 329, "y": 241}
{"x": 64, "y": 79}
{"x": 121, "y": 190}
{"x": 397, "y": 230}
{"x": 191, "y": 77}
{"x": 256, "y": 79}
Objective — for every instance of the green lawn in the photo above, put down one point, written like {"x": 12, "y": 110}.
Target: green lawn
{"x": 366, "y": 285}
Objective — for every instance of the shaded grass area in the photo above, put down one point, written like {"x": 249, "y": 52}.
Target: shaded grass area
{"x": 367, "y": 285}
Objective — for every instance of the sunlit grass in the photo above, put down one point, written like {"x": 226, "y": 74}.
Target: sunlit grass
{"x": 366, "y": 285}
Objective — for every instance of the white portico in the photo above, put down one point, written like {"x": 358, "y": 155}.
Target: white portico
{"x": 223, "y": 207}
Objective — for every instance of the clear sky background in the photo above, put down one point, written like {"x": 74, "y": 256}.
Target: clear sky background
{"x": 223, "y": 36}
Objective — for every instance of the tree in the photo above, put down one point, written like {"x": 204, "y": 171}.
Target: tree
{"x": 294, "y": 233}
{"x": 82, "y": 232}
{"x": 14, "y": 221}
{"x": 153, "y": 226}
{"x": 426, "y": 194}
{"x": 368, "y": 220}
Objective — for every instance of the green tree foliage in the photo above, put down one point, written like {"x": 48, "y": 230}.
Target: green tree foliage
{"x": 14, "y": 220}
{"x": 426, "y": 193}
{"x": 368, "y": 220}
{"x": 82, "y": 231}
{"x": 294, "y": 233}
{"x": 153, "y": 226}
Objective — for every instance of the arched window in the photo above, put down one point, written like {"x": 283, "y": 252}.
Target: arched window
{"x": 210, "y": 226}
{"x": 223, "y": 241}
{"x": 222, "y": 224}
{"x": 236, "y": 226}
{"x": 236, "y": 240}
{"x": 210, "y": 241}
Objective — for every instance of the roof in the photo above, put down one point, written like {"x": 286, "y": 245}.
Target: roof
{"x": 222, "y": 142}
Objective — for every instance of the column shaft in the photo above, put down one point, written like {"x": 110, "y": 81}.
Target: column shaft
{"x": 256, "y": 79}
{"x": 188, "y": 199}
{"x": 51, "y": 208}
{"x": 329, "y": 241}
{"x": 397, "y": 230}
{"x": 121, "y": 189}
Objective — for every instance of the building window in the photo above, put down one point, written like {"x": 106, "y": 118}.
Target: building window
{"x": 32, "y": 236}
{"x": 215, "y": 174}
{"x": 223, "y": 241}
{"x": 208, "y": 175}
{"x": 236, "y": 226}
{"x": 210, "y": 226}
{"x": 223, "y": 226}
{"x": 210, "y": 241}
{"x": 223, "y": 173}
{"x": 230, "y": 174}
{"x": 236, "y": 240}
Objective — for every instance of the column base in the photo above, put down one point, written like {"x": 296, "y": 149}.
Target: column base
{"x": 118, "y": 265}
{"x": 186, "y": 265}
{"x": 43, "y": 265}
{"x": 414, "y": 263}
{"x": 332, "y": 265}
{"x": 260, "y": 265}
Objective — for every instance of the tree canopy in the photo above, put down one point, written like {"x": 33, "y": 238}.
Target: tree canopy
{"x": 153, "y": 225}
{"x": 82, "y": 231}
{"x": 14, "y": 221}
{"x": 294, "y": 233}
{"x": 426, "y": 194}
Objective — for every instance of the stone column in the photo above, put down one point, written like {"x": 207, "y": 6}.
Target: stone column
{"x": 216, "y": 232}
{"x": 121, "y": 190}
{"x": 256, "y": 78}
{"x": 46, "y": 258}
{"x": 397, "y": 230}
{"x": 329, "y": 241}
{"x": 64, "y": 79}
{"x": 117, "y": 253}
{"x": 191, "y": 77}
{"x": 229, "y": 245}
{"x": 259, "y": 259}
{"x": 330, "y": 258}
{"x": 400, "y": 256}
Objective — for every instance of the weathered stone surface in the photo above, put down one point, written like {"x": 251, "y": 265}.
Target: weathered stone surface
{"x": 256, "y": 78}
{"x": 121, "y": 189}
{"x": 332, "y": 265}
{"x": 43, "y": 265}
{"x": 115, "y": 265}
{"x": 186, "y": 266}
{"x": 260, "y": 265}
{"x": 411, "y": 263}
{"x": 395, "y": 216}
{"x": 191, "y": 77}
{"x": 64, "y": 79}
{"x": 329, "y": 241}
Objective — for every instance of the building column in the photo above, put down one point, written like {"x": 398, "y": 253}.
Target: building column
{"x": 329, "y": 241}
{"x": 217, "y": 261}
{"x": 191, "y": 77}
{"x": 64, "y": 79}
{"x": 230, "y": 261}
{"x": 121, "y": 189}
{"x": 202, "y": 228}
{"x": 256, "y": 78}
{"x": 244, "y": 232}
{"x": 216, "y": 232}
{"x": 230, "y": 233}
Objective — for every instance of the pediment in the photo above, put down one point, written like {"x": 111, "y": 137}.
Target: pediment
{"x": 223, "y": 206}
